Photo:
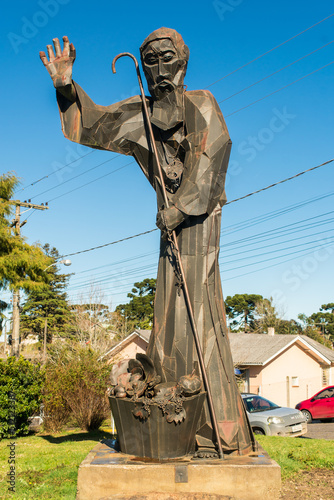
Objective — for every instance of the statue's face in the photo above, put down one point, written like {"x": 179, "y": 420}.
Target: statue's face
{"x": 164, "y": 68}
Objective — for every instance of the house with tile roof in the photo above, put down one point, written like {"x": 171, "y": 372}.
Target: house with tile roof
{"x": 127, "y": 348}
{"x": 283, "y": 368}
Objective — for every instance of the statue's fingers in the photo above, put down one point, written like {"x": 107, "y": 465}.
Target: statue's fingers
{"x": 72, "y": 51}
{"x": 43, "y": 57}
{"x": 57, "y": 47}
{"x": 66, "y": 49}
{"x": 50, "y": 52}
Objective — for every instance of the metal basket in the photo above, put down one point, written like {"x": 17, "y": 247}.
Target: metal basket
{"x": 155, "y": 437}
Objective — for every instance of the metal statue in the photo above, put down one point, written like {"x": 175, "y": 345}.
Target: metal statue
{"x": 180, "y": 141}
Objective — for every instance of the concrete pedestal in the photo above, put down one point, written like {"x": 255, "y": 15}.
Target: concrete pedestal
{"x": 107, "y": 474}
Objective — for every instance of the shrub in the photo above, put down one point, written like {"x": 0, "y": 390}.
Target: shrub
{"x": 75, "y": 386}
{"x": 20, "y": 395}
{"x": 56, "y": 410}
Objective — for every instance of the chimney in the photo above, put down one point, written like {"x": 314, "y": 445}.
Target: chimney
{"x": 271, "y": 331}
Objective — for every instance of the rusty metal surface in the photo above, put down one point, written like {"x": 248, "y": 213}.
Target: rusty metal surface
{"x": 157, "y": 50}
{"x": 155, "y": 437}
{"x": 193, "y": 147}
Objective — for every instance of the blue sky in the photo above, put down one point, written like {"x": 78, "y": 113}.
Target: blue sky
{"x": 277, "y": 137}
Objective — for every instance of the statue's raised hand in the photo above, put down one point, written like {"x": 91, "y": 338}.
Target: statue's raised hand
{"x": 59, "y": 65}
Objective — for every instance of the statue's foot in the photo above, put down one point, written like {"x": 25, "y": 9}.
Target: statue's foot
{"x": 205, "y": 453}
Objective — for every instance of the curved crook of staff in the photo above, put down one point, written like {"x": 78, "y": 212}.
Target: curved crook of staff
{"x": 178, "y": 256}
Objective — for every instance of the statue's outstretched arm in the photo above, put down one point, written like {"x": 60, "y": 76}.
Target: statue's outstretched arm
{"x": 59, "y": 66}
{"x": 82, "y": 120}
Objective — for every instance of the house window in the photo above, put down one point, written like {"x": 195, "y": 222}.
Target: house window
{"x": 325, "y": 376}
{"x": 295, "y": 381}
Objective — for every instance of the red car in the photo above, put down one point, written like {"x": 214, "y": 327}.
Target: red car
{"x": 320, "y": 406}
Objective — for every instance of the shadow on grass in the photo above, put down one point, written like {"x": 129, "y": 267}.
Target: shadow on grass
{"x": 78, "y": 436}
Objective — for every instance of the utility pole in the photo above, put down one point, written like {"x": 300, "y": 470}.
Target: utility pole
{"x": 15, "y": 351}
{"x": 5, "y": 340}
{"x": 45, "y": 337}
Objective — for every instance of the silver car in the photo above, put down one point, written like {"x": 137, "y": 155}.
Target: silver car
{"x": 270, "y": 419}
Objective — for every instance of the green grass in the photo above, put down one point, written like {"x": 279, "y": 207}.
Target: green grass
{"x": 47, "y": 464}
{"x": 295, "y": 454}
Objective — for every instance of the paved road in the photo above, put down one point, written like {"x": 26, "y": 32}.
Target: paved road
{"x": 318, "y": 430}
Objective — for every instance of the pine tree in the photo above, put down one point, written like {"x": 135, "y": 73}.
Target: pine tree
{"x": 48, "y": 306}
{"x": 325, "y": 320}
{"x": 241, "y": 309}
{"x": 314, "y": 327}
{"x": 138, "y": 313}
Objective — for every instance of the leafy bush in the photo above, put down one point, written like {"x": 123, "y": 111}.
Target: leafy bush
{"x": 56, "y": 410}
{"x": 20, "y": 395}
{"x": 75, "y": 387}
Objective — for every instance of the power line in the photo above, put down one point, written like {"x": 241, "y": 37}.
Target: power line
{"x": 271, "y": 50}
{"x": 271, "y": 258}
{"x": 119, "y": 282}
{"x": 248, "y": 223}
{"x": 272, "y": 215}
{"x": 230, "y": 114}
{"x": 56, "y": 171}
{"x": 240, "y": 109}
{"x": 271, "y": 265}
{"x": 275, "y": 72}
{"x": 139, "y": 272}
{"x": 116, "y": 263}
{"x": 122, "y": 285}
{"x": 130, "y": 271}
{"x": 272, "y": 234}
{"x": 229, "y": 97}
{"x": 116, "y": 272}
{"x": 291, "y": 227}
{"x": 245, "y": 245}
{"x": 273, "y": 251}
{"x": 278, "y": 90}
{"x": 31, "y": 213}
{"x": 90, "y": 182}
{"x": 232, "y": 72}
{"x": 281, "y": 182}
{"x": 232, "y": 201}
{"x": 108, "y": 244}
{"x": 75, "y": 177}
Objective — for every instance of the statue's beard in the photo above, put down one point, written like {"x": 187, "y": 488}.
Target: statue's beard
{"x": 168, "y": 111}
